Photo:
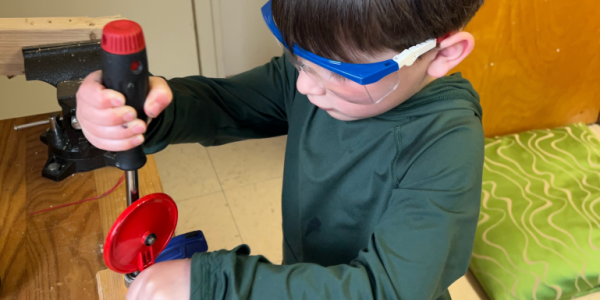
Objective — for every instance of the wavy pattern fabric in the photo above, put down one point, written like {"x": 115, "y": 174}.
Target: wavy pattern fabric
{"x": 538, "y": 235}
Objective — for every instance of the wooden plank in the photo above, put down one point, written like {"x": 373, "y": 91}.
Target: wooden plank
{"x": 149, "y": 180}
{"x": 110, "y": 285}
{"x": 12, "y": 209}
{"x": 114, "y": 204}
{"x": 55, "y": 254}
{"x": 17, "y": 33}
{"x": 63, "y": 245}
{"x": 111, "y": 206}
{"x": 535, "y": 64}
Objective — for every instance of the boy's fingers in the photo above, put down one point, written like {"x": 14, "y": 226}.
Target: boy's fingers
{"x": 94, "y": 77}
{"x": 165, "y": 280}
{"x": 120, "y": 132}
{"x": 159, "y": 98}
{"x": 113, "y": 145}
{"x": 96, "y": 95}
{"x": 106, "y": 117}
{"x": 90, "y": 89}
{"x": 110, "y": 98}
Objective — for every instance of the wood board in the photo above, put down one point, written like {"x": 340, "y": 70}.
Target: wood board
{"x": 111, "y": 285}
{"x": 55, "y": 254}
{"x": 16, "y": 33}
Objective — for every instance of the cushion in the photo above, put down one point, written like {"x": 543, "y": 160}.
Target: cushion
{"x": 538, "y": 235}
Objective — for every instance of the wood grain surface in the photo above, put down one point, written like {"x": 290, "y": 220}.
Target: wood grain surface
{"x": 13, "y": 258}
{"x": 110, "y": 285}
{"x": 16, "y": 33}
{"x": 55, "y": 254}
{"x": 535, "y": 63}
{"x": 114, "y": 204}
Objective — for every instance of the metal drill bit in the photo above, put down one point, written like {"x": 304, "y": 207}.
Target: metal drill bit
{"x": 133, "y": 192}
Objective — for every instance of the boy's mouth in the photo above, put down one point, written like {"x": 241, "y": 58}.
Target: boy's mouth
{"x": 325, "y": 109}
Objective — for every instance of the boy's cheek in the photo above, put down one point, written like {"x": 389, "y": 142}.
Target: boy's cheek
{"x": 345, "y": 111}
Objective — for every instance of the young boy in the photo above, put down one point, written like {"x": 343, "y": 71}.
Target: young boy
{"x": 383, "y": 164}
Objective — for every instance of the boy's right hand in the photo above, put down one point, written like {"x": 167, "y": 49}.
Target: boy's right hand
{"x": 105, "y": 119}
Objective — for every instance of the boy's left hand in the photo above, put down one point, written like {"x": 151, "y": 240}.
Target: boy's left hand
{"x": 162, "y": 281}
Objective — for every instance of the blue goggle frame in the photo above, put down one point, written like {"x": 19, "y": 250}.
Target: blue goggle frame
{"x": 360, "y": 73}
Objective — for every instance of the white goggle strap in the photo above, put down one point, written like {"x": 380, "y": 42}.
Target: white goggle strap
{"x": 410, "y": 55}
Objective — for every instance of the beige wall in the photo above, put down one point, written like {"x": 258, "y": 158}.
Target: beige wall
{"x": 168, "y": 28}
{"x": 247, "y": 42}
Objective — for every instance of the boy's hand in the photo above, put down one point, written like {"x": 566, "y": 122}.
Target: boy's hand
{"x": 105, "y": 119}
{"x": 162, "y": 281}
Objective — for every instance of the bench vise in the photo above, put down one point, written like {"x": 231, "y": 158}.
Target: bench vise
{"x": 64, "y": 66}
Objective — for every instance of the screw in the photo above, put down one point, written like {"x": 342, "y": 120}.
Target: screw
{"x": 150, "y": 239}
{"x": 128, "y": 278}
{"x": 75, "y": 124}
{"x": 53, "y": 167}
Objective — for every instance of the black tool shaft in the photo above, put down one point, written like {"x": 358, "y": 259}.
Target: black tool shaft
{"x": 128, "y": 74}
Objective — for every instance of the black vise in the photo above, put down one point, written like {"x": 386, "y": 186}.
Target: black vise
{"x": 64, "y": 66}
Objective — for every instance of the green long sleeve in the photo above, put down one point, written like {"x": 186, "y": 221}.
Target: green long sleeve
{"x": 380, "y": 208}
{"x": 219, "y": 111}
{"x": 419, "y": 247}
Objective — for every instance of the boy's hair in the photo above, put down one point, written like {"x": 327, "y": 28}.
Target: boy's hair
{"x": 347, "y": 30}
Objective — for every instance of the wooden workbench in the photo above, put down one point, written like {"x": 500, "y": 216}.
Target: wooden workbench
{"x": 55, "y": 254}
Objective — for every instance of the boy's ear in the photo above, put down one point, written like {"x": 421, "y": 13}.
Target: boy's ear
{"x": 451, "y": 52}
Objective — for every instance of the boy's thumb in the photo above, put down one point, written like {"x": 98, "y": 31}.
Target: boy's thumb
{"x": 159, "y": 98}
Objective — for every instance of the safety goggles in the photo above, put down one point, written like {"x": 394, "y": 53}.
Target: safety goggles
{"x": 356, "y": 83}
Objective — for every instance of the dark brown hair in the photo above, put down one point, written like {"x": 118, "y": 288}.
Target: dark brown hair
{"x": 347, "y": 30}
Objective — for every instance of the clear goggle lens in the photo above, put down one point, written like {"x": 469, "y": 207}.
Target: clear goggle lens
{"x": 347, "y": 89}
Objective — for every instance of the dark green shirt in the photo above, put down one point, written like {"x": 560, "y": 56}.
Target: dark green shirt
{"x": 380, "y": 208}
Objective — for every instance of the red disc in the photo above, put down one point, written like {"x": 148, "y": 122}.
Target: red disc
{"x": 140, "y": 233}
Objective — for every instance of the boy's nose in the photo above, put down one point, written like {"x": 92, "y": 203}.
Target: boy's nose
{"x": 308, "y": 86}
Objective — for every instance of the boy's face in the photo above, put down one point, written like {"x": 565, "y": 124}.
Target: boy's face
{"x": 412, "y": 79}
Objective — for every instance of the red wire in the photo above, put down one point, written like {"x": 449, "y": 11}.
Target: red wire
{"x": 86, "y": 200}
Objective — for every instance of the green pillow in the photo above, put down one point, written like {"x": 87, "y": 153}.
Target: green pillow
{"x": 538, "y": 235}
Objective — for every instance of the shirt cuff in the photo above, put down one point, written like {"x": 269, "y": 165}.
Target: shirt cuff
{"x": 201, "y": 286}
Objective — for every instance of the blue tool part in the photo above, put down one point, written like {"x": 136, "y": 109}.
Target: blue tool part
{"x": 183, "y": 246}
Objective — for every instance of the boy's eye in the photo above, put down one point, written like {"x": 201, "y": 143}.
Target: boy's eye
{"x": 337, "y": 76}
